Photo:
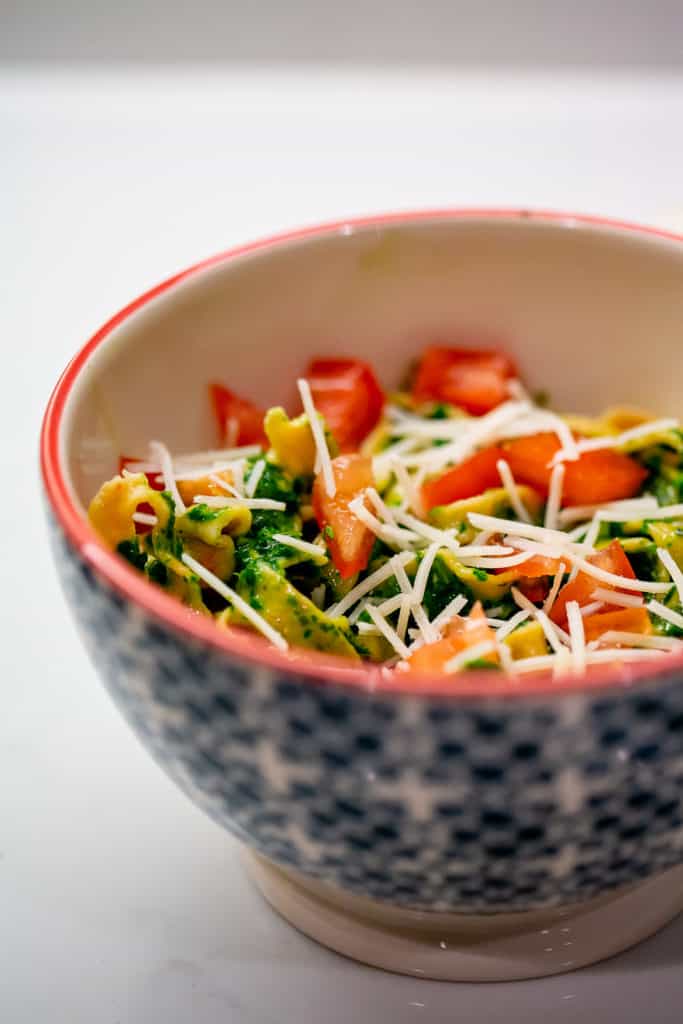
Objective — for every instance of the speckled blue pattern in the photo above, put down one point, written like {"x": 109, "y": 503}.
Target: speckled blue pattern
{"x": 475, "y": 806}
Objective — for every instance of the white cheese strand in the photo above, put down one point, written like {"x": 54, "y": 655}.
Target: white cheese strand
{"x": 663, "y": 643}
{"x": 389, "y": 568}
{"x": 318, "y": 437}
{"x": 673, "y": 570}
{"x": 554, "y": 502}
{"x": 387, "y": 631}
{"x": 549, "y": 628}
{"x": 257, "y": 471}
{"x": 593, "y": 444}
{"x": 314, "y": 550}
{"x": 577, "y": 636}
{"x": 657, "y": 608}
{"x": 236, "y": 601}
{"x": 508, "y": 481}
{"x": 554, "y": 590}
{"x": 163, "y": 456}
{"x": 470, "y": 654}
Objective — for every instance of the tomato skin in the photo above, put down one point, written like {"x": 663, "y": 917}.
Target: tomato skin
{"x": 593, "y": 479}
{"x": 628, "y": 620}
{"x": 473, "y": 379}
{"x": 461, "y": 634}
{"x": 351, "y": 541}
{"x": 352, "y": 408}
{"x": 247, "y": 416}
{"x": 471, "y": 477}
{"x": 613, "y": 559}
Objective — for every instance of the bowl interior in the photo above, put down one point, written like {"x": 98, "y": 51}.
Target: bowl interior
{"x": 594, "y": 315}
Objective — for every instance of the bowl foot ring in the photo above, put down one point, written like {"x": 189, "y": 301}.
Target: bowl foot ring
{"x": 461, "y": 947}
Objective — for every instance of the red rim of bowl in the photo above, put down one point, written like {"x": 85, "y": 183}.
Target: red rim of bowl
{"x": 251, "y": 647}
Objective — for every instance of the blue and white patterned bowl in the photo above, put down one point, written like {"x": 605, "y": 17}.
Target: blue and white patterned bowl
{"x": 489, "y": 797}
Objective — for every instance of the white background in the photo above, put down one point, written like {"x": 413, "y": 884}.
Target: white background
{"x": 119, "y": 902}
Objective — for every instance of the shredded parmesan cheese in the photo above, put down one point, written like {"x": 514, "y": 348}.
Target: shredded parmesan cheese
{"x": 662, "y": 643}
{"x": 577, "y": 636}
{"x": 163, "y": 456}
{"x": 387, "y": 631}
{"x": 236, "y": 601}
{"x": 216, "y": 501}
{"x": 657, "y": 608}
{"x": 554, "y": 502}
{"x": 314, "y": 550}
{"x": 318, "y": 437}
{"x": 549, "y": 628}
{"x": 470, "y": 654}
{"x": 673, "y": 570}
{"x": 257, "y": 471}
{"x": 554, "y": 590}
{"x": 614, "y": 597}
{"x": 510, "y": 486}
{"x": 146, "y": 518}
{"x": 389, "y": 568}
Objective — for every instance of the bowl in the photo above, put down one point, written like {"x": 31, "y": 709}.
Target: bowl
{"x": 492, "y": 830}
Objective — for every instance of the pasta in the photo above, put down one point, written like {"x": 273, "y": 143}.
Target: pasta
{"x": 451, "y": 526}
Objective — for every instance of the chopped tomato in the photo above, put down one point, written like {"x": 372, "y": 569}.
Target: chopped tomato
{"x": 239, "y": 420}
{"x": 594, "y": 478}
{"x": 537, "y": 566}
{"x": 204, "y": 485}
{"x": 461, "y": 634}
{"x": 627, "y": 620}
{"x": 348, "y": 539}
{"x": 471, "y": 477}
{"x": 534, "y": 588}
{"x": 348, "y": 395}
{"x": 612, "y": 559}
{"x": 474, "y": 380}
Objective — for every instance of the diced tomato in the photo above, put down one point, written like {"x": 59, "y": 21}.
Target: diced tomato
{"x": 348, "y": 539}
{"x": 596, "y": 477}
{"x": 612, "y": 559}
{"x": 474, "y": 380}
{"x": 347, "y": 393}
{"x": 537, "y": 566}
{"x": 204, "y": 485}
{"x": 239, "y": 420}
{"x": 461, "y": 634}
{"x": 534, "y": 588}
{"x": 627, "y": 620}
{"x": 471, "y": 477}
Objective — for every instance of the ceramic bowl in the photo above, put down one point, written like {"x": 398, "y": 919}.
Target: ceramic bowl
{"x": 530, "y": 826}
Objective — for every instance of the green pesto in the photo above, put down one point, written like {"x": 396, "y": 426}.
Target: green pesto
{"x": 202, "y": 513}
{"x": 130, "y": 550}
{"x": 294, "y": 616}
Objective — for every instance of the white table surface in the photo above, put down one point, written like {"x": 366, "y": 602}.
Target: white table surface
{"x": 120, "y": 903}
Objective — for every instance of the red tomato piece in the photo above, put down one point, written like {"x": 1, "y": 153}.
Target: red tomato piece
{"x": 348, "y": 539}
{"x": 348, "y": 394}
{"x": 612, "y": 559}
{"x": 474, "y": 380}
{"x": 239, "y": 420}
{"x": 627, "y": 620}
{"x": 461, "y": 634}
{"x": 471, "y": 477}
{"x": 593, "y": 479}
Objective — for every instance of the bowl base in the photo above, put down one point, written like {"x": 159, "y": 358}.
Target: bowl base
{"x": 462, "y": 947}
